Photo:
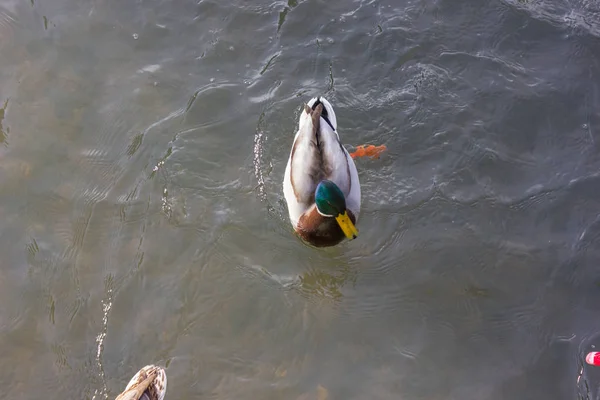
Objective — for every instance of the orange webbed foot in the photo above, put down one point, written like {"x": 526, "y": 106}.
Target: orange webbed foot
{"x": 368, "y": 151}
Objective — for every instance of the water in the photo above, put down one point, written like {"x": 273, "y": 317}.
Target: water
{"x": 143, "y": 221}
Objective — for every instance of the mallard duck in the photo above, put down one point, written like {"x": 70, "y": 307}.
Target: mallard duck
{"x": 149, "y": 383}
{"x": 321, "y": 185}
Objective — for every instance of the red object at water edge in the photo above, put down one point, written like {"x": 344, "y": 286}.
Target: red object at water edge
{"x": 593, "y": 358}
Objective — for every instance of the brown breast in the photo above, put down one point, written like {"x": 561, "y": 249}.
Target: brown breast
{"x": 321, "y": 231}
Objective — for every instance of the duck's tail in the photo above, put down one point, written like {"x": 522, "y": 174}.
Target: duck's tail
{"x": 327, "y": 114}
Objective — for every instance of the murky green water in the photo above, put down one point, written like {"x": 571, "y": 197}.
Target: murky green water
{"x": 143, "y": 145}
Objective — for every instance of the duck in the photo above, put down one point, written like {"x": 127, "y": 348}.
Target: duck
{"x": 149, "y": 383}
{"x": 321, "y": 185}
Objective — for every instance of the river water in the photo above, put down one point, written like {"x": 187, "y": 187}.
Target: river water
{"x": 143, "y": 145}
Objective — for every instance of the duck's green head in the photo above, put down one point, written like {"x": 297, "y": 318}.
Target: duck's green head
{"x": 331, "y": 202}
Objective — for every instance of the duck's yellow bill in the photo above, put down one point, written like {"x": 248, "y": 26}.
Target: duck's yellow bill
{"x": 347, "y": 226}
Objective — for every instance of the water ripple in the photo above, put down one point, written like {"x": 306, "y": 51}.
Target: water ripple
{"x": 584, "y": 14}
{"x": 8, "y": 25}
{"x": 106, "y": 306}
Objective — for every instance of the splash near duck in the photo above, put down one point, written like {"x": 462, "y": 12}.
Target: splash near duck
{"x": 321, "y": 185}
{"x": 149, "y": 383}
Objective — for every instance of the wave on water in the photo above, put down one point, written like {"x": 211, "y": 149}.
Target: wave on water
{"x": 583, "y": 15}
